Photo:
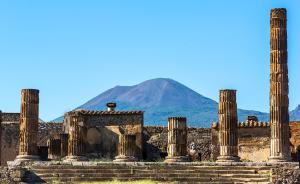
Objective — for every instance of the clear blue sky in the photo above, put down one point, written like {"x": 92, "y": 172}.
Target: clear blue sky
{"x": 74, "y": 50}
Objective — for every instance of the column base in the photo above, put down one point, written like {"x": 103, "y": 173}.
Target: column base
{"x": 228, "y": 159}
{"x": 27, "y": 158}
{"x": 75, "y": 158}
{"x": 177, "y": 159}
{"x": 22, "y": 160}
{"x": 125, "y": 159}
{"x": 274, "y": 159}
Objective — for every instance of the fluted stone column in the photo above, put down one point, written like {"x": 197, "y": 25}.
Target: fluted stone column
{"x": 126, "y": 148}
{"x": 77, "y": 139}
{"x": 279, "y": 88}
{"x": 63, "y": 145}
{"x": 29, "y": 122}
{"x": 228, "y": 123}
{"x": 53, "y": 148}
{"x": 177, "y": 140}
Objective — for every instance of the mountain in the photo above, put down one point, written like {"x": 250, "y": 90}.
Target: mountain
{"x": 161, "y": 98}
{"x": 295, "y": 114}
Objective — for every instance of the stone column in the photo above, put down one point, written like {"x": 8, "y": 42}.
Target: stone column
{"x": 126, "y": 148}
{"x": 29, "y": 122}
{"x": 279, "y": 88}
{"x": 63, "y": 145}
{"x": 228, "y": 126}
{"x": 77, "y": 139}
{"x": 177, "y": 140}
{"x": 53, "y": 148}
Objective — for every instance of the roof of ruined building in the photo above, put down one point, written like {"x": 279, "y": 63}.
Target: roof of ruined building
{"x": 91, "y": 112}
{"x": 10, "y": 117}
{"x": 254, "y": 124}
{"x": 246, "y": 124}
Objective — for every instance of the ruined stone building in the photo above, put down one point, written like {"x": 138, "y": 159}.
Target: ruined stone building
{"x": 121, "y": 136}
{"x": 96, "y": 133}
{"x": 254, "y": 140}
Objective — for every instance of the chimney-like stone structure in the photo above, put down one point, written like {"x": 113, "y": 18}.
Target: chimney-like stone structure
{"x": 111, "y": 106}
{"x": 279, "y": 87}
{"x": 177, "y": 140}
{"x": 63, "y": 144}
{"x": 228, "y": 126}
{"x": 77, "y": 138}
{"x": 126, "y": 148}
{"x": 29, "y": 122}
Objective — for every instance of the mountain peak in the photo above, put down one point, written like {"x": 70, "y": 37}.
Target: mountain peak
{"x": 161, "y": 98}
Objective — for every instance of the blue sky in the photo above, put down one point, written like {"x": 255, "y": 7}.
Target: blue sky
{"x": 74, "y": 50}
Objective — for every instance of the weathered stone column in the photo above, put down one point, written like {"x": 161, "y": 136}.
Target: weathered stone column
{"x": 177, "y": 140}
{"x": 63, "y": 145}
{"x": 29, "y": 122}
{"x": 126, "y": 148}
{"x": 228, "y": 124}
{"x": 53, "y": 148}
{"x": 279, "y": 88}
{"x": 77, "y": 139}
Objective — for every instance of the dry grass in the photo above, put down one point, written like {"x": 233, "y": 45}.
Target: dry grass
{"x": 124, "y": 182}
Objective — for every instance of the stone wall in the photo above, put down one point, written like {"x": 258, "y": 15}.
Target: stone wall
{"x": 254, "y": 140}
{"x": 10, "y": 136}
{"x": 104, "y": 129}
{"x": 9, "y": 141}
{"x": 156, "y": 140}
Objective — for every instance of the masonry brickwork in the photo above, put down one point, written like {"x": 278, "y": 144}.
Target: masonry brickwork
{"x": 104, "y": 129}
{"x": 254, "y": 140}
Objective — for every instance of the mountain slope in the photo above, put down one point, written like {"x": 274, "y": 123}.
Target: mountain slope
{"x": 161, "y": 98}
{"x": 295, "y": 114}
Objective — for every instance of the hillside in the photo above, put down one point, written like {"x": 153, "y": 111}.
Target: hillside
{"x": 161, "y": 98}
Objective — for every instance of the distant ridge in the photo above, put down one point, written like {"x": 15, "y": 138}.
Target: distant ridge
{"x": 295, "y": 114}
{"x": 161, "y": 98}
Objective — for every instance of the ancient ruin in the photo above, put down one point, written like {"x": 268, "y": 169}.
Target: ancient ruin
{"x": 177, "y": 140}
{"x": 64, "y": 144}
{"x": 126, "y": 148}
{"x": 228, "y": 126}
{"x": 77, "y": 138}
{"x": 279, "y": 88}
{"x": 93, "y": 133}
{"x": 29, "y": 119}
{"x": 111, "y": 144}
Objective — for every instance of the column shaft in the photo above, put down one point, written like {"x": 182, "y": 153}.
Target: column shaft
{"x": 177, "y": 140}
{"x": 77, "y": 139}
{"x": 279, "y": 89}
{"x": 228, "y": 126}
{"x": 126, "y": 148}
{"x": 29, "y": 121}
{"x": 63, "y": 145}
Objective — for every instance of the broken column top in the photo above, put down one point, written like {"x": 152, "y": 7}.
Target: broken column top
{"x": 227, "y": 95}
{"x": 183, "y": 119}
{"x": 279, "y": 13}
{"x": 30, "y": 90}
